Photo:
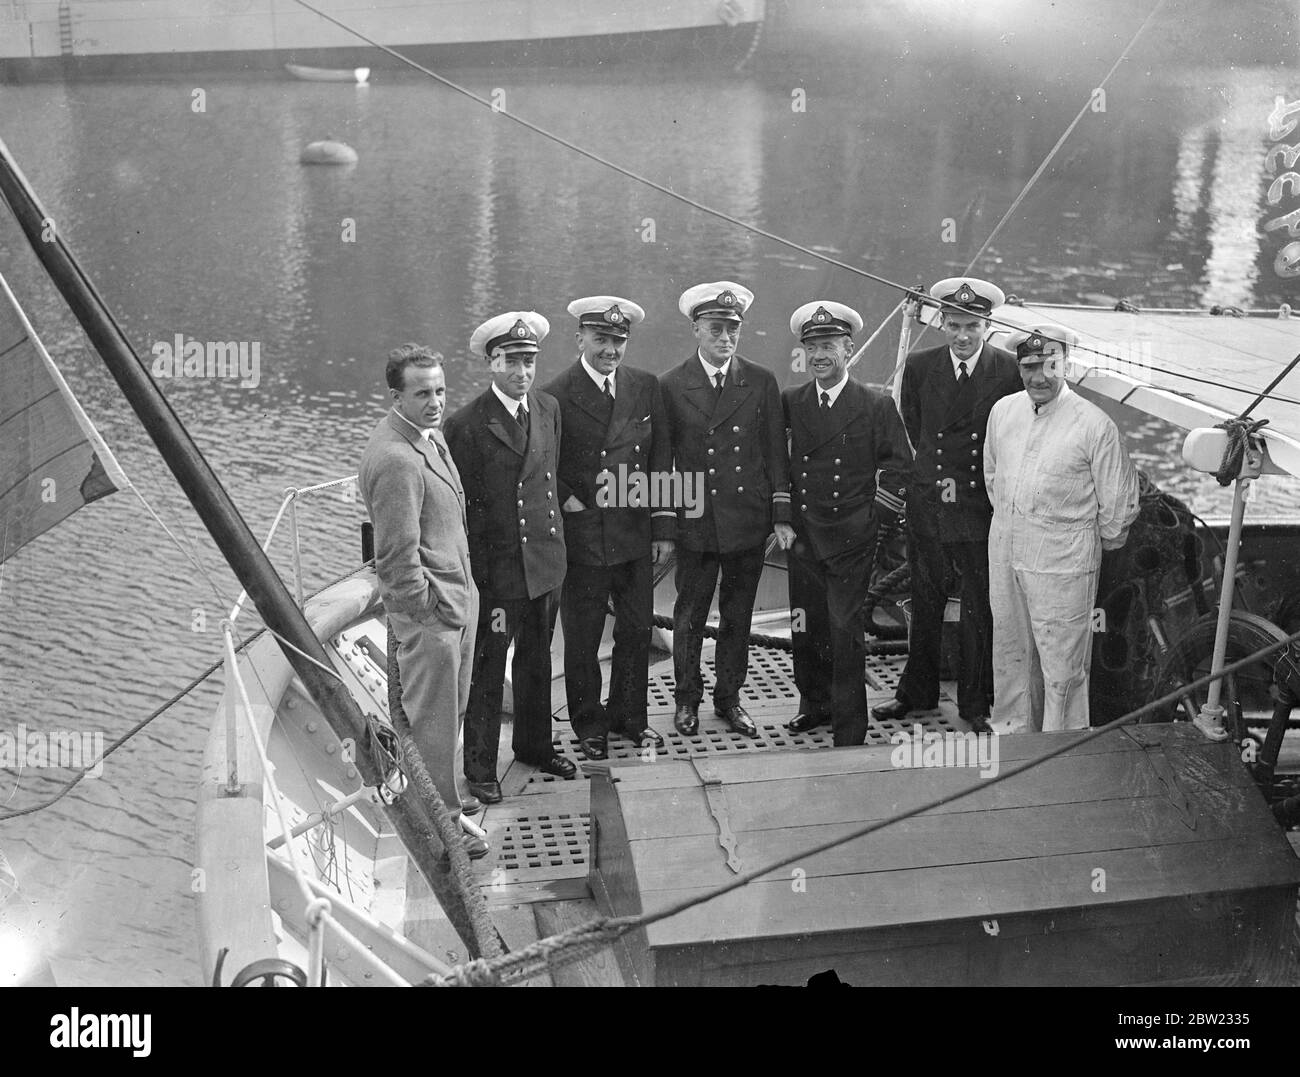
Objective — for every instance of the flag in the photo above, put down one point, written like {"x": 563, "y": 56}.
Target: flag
{"x": 52, "y": 459}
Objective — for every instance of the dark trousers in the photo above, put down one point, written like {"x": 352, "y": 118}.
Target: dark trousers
{"x": 584, "y": 603}
{"x": 697, "y": 575}
{"x": 919, "y": 687}
{"x": 529, "y": 623}
{"x": 827, "y": 630}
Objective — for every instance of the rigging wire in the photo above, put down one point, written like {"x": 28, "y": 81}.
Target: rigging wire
{"x": 156, "y": 713}
{"x": 729, "y": 218}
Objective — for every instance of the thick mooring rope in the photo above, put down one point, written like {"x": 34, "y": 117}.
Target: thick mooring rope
{"x": 460, "y": 877}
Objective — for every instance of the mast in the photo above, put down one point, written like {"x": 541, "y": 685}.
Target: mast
{"x": 218, "y": 512}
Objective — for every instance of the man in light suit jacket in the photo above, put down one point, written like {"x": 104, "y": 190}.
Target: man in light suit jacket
{"x": 506, "y": 443}
{"x": 414, "y": 497}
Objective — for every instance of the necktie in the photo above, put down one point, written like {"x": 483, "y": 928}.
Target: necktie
{"x": 521, "y": 417}
{"x": 826, "y": 402}
{"x": 717, "y": 381}
{"x": 609, "y": 390}
{"x": 963, "y": 377}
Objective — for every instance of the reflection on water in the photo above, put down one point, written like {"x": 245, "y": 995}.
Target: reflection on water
{"x": 206, "y": 225}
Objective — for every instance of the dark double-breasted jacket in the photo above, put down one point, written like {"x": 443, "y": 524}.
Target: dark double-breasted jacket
{"x": 603, "y": 451}
{"x": 730, "y": 449}
{"x": 834, "y": 460}
{"x": 512, "y": 501}
{"x": 948, "y": 500}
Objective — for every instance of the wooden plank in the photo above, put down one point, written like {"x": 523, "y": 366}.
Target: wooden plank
{"x": 596, "y": 970}
{"x": 1004, "y": 888}
{"x": 842, "y": 798}
{"x": 528, "y": 893}
{"x": 486, "y": 873}
{"x": 802, "y": 763}
{"x": 1157, "y": 942}
{"x": 932, "y": 841}
{"x": 518, "y": 927}
{"x": 572, "y": 799}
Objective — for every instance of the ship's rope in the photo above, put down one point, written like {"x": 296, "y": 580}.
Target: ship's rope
{"x": 1240, "y": 431}
{"x": 468, "y": 909}
{"x": 558, "y": 950}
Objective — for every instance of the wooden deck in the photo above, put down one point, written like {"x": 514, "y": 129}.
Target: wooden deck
{"x": 535, "y": 878}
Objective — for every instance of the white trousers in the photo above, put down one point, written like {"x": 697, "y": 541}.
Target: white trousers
{"x": 1042, "y": 643}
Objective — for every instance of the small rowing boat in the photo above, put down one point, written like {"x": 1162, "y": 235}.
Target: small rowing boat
{"x": 359, "y": 75}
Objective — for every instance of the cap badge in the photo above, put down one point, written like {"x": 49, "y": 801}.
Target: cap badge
{"x": 964, "y": 293}
{"x": 520, "y": 330}
{"x": 821, "y": 317}
{"x": 1035, "y": 343}
{"x": 614, "y": 316}
{"x": 727, "y": 299}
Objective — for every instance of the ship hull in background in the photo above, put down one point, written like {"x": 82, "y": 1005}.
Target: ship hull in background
{"x": 106, "y": 38}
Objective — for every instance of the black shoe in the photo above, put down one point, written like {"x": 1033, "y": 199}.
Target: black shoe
{"x": 891, "y": 709}
{"x": 488, "y": 792}
{"x": 642, "y": 736}
{"x": 594, "y": 747}
{"x": 470, "y": 806}
{"x": 739, "y": 721}
{"x": 687, "y": 719}
{"x": 476, "y": 847}
{"x": 805, "y": 723}
{"x": 979, "y": 723}
{"x": 556, "y": 764}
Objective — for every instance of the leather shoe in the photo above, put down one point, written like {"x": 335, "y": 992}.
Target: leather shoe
{"x": 891, "y": 709}
{"x": 487, "y": 792}
{"x": 803, "y": 723}
{"x": 643, "y": 736}
{"x": 470, "y": 805}
{"x": 476, "y": 847}
{"x": 687, "y": 719}
{"x": 556, "y": 764}
{"x": 979, "y": 723}
{"x": 594, "y": 747}
{"x": 739, "y": 721}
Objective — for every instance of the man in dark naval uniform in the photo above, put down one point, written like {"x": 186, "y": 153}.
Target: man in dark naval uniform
{"x": 614, "y": 431}
{"x": 841, "y": 434}
{"x": 728, "y": 440}
{"x": 506, "y": 444}
{"x": 946, "y": 395}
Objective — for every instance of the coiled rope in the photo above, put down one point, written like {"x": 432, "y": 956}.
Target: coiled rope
{"x": 1240, "y": 431}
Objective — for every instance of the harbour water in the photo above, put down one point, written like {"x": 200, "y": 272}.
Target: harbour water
{"x": 186, "y": 203}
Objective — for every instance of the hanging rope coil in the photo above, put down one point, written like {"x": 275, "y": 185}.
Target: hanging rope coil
{"x": 1240, "y": 431}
